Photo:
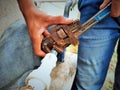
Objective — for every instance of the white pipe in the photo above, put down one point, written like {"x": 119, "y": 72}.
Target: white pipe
{"x": 39, "y": 79}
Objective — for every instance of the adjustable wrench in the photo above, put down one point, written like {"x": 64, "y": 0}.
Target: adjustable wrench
{"x": 62, "y": 36}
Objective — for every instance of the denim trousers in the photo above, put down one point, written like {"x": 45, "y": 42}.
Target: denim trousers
{"x": 17, "y": 58}
{"x": 96, "y": 49}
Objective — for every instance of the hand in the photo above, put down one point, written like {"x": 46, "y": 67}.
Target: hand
{"x": 115, "y": 8}
{"x": 37, "y": 26}
{"x": 37, "y": 23}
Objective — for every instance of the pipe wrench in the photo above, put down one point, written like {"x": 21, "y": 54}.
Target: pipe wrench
{"x": 61, "y": 36}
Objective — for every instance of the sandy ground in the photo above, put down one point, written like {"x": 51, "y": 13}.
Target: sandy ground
{"x": 9, "y": 12}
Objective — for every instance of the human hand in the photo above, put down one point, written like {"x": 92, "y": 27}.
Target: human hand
{"x": 37, "y": 26}
{"x": 37, "y": 23}
{"x": 115, "y": 8}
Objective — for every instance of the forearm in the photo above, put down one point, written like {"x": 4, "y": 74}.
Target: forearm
{"x": 26, "y": 6}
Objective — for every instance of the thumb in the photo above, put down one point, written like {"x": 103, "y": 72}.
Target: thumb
{"x": 59, "y": 20}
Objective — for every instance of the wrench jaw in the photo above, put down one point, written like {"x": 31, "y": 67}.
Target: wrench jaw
{"x": 49, "y": 44}
{"x": 61, "y": 36}
{"x": 46, "y": 46}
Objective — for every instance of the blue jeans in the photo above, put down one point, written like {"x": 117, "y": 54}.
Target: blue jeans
{"x": 96, "y": 48}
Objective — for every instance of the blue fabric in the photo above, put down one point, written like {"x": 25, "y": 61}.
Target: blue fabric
{"x": 96, "y": 48}
{"x": 17, "y": 59}
{"x": 88, "y": 8}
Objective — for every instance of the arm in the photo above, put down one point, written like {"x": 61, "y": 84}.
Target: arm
{"x": 115, "y": 8}
{"x": 37, "y": 23}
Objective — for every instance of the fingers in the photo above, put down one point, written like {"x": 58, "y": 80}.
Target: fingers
{"x": 105, "y": 3}
{"x": 37, "y": 40}
{"x": 38, "y": 31}
{"x": 37, "y": 46}
{"x": 115, "y": 9}
{"x": 46, "y": 33}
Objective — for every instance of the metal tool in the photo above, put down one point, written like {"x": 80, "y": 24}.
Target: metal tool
{"x": 62, "y": 36}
